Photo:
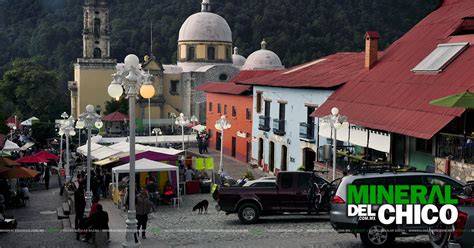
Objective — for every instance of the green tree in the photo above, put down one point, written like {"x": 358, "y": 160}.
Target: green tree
{"x": 41, "y": 131}
{"x": 121, "y": 106}
{"x": 33, "y": 90}
{"x": 4, "y": 129}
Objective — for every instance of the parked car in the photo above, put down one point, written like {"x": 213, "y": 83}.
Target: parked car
{"x": 373, "y": 233}
{"x": 461, "y": 233}
{"x": 290, "y": 194}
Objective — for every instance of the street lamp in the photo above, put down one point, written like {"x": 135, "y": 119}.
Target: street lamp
{"x": 334, "y": 121}
{"x": 64, "y": 115}
{"x": 88, "y": 120}
{"x": 182, "y": 121}
{"x": 67, "y": 129}
{"x": 133, "y": 79}
{"x": 157, "y": 131}
{"x": 222, "y": 124}
{"x": 173, "y": 117}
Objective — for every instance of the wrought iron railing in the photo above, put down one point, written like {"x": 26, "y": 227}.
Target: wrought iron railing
{"x": 457, "y": 147}
{"x": 279, "y": 127}
{"x": 307, "y": 131}
{"x": 264, "y": 123}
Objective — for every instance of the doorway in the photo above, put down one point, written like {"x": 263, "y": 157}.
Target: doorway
{"x": 260, "y": 151}
{"x": 234, "y": 144}
{"x": 309, "y": 156}
{"x": 284, "y": 158}
{"x": 247, "y": 157}
{"x": 218, "y": 141}
{"x": 271, "y": 159}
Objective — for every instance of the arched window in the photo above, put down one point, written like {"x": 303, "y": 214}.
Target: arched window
{"x": 97, "y": 53}
{"x": 211, "y": 53}
{"x": 227, "y": 53}
{"x": 191, "y": 53}
{"x": 96, "y": 27}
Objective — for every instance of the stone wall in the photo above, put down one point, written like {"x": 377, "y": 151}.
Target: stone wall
{"x": 458, "y": 170}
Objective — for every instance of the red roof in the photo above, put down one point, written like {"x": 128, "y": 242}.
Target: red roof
{"x": 232, "y": 88}
{"x": 10, "y": 121}
{"x": 46, "y": 155}
{"x": 32, "y": 159}
{"x": 327, "y": 72}
{"x": 391, "y": 97}
{"x": 115, "y": 117}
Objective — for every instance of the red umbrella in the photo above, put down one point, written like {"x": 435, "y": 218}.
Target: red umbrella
{"x": 46, "y": 155}
{"x": 31, "y": 160}
{"x": 19, "y": 172}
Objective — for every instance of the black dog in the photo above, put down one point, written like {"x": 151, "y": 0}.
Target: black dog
{"x": 201, "y": 206}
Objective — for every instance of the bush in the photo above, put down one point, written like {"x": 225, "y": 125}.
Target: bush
{"x": 248, "y": 174}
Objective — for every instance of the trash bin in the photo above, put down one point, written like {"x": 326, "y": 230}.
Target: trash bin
{"x": 206, "y": 186}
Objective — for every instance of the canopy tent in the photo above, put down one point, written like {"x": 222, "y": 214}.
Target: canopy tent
{"x": 29, "y": 122}
{"x": 151, "y": 139}
{"x": 83, "y": 149}
{"x": 8, "y": 162}
{"x": 96, "y": 138}
{"x": 19, "y": 172}
{"x": 32, "y": 159}
{"x": 115, "y": 117}
{"x": 107, "y": 161}
{"x": 146, "y": 165}
{"x": 104, "y": 152}
{"x": 154, "y": 156}
{"x": 169, "y": 151}
{"x": 10, "y": 146}
{"x": 125, "y": 147}
{"x": 27, "y": 146}
{"x": 46, "y": 155}
{"x": 199, "y": 128}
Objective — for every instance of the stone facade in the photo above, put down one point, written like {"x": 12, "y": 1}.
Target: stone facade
{"x": 458, "y": 170}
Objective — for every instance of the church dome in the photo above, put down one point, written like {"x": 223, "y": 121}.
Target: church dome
{"x": 263, "y": 59}
{"x": 205, "y": 26}
{"x": 237, "y": 59}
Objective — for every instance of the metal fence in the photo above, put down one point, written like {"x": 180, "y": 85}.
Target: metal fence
{"x": 458, "y": 147}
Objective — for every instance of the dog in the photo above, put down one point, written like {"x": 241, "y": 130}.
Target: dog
{"x": 201, "y": 206}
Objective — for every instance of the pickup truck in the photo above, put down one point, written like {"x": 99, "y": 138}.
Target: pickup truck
{"x": 288, "y": 195}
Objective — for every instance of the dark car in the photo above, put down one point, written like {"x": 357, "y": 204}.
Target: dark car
{"x": 290, "y": 194}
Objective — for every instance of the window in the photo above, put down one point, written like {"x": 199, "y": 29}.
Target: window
{"x": 267, "y": 108}
{"x": 227, "y": 53}
{"x": 225, "y": 109}
{"x": 210, "y": 107}
{"x": 219, "y": 110}
{"x": 97, "y": 53}
{"x": 191, "y": 53}
{"x": 96, "y": 27}
{"x": 223, "y": 77}
{"x": 174, "y": 87}
{"x": 248, "y": 114}
{"x": 259, "y": 102}
{"x": 286, "y": 180}
{"x": 263, "y": 185}
{"x": 444, "y": 54}
{"x": 234, "y": 111}
{"x": 441, "y": 181}
{"x": 281, "y": 112}
{"x": 302, "y": 180}
{"x": 423, "y": 145}
{"x": 211, "y": 53}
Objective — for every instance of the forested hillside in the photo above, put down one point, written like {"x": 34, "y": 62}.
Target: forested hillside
{"x": 297, "y": 30}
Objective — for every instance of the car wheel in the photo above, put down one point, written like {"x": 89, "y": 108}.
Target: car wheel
{"x": 377, "y": 235}
{"x": 249, "y": 213}
{"x": 439, "y": 235}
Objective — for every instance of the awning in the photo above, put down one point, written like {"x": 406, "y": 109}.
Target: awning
{"x": 199, "y": 128}
{"x": 103, "y": 152}
{"x": 107, "y": 161}
{"x": 29, "y": 122}
{"x": 145, "y": 165}
{"x": 83, "y": 149}
{"x": 169, "y": 151}
{"x": 26, "y": 146}
{"x": 125, "y": 147}
{"x": 10, "y": 146}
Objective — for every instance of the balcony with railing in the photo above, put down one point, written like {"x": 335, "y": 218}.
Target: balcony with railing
{"x": 279, "y": 127}
{"x": 307, "y": 131}
{"x": 264, "y": 123}
{"x": 458, "y": 147}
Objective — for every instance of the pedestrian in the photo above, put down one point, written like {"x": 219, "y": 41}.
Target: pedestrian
{"x": 188, "y": 174}
{"x": 143, "y": 208}
{"x": 199, "y": 141}
{"x": 79, "y": 206}
{"x": 152, "y": 189}
{"x": 99, "y": 222}
{"x": 24, "y": 193}
{"x": 47, "y": 175}
{"x": 168, "y": 191}
{"x": 205, "y": 142}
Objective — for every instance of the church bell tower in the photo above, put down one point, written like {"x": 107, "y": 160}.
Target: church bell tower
{"x": 96, "y": 37}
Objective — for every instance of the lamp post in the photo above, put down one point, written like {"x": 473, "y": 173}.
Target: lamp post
{"x": 88, "y": 120}
{"x": 182, "y": 121}
{"x": 157, "y": 131}
{"x": 334, "y": 121}
{"x": 64, "y": 115}
{"x": 133, "y": 79}
{"x": 173, "y": 117}
{"x": 67, "y": 129}
{"x": 222, "y": 124}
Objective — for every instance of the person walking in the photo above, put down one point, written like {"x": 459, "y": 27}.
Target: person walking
{"x": 47, "y": 175}
{"x": 99, "y": 222}
{"x": 79, "y": 206}
{"x": 199, "y": 141}
{"x": 152, "y": 189}
{"x": 143, "y": 207}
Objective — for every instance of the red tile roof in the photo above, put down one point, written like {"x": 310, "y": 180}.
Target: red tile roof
{"x": 327, "y": 72}
{"x": 232, "y": 88}
{"x": 115, "y": 117}
{"x": 391, "y": 97}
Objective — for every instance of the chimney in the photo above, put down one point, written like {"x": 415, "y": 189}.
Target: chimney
{"x": 371, "y": 48}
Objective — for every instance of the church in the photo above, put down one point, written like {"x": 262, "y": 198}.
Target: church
{"x": 205, "y": 53}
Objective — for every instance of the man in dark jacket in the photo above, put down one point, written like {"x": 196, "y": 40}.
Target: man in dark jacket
{"x": 79, "y": 206}
{"x": 99, "y": 222}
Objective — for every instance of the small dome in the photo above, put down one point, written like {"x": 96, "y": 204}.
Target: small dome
{"x": 237, "y": 59}
{"x": 205, "y": 26}
{"x": 263, "y": 59}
